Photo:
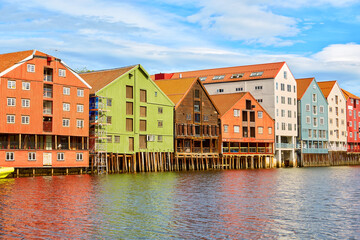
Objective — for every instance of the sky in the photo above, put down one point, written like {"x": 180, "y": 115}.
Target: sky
{"x": 318, "y": 38}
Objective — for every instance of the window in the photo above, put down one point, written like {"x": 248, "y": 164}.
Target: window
{"x": 259, "y": 100}
{"x": 307, "y": 107}
{"x": 61, "y": 156}
{"x": 79, "y": 123}
{"x": 283, "y": 100}
{"x": 197, "y": 93}
{"x": 294, "y": 89}
{"x": 351, "y": 134}
{"x": 11, "y": 85}
{"x": 160, "y": 138}
{"x": 62, "y": 72}
{"x": 10, "y": 118}
{"x": 143, "y": 97}
{"x": 66, "y": 91}
{"x": 289, "y": 126}
{"x": 277, "y": 112}
{"x": 226, "y": 128}
{"x": 80, "y": 93}
{"x": 129, "y": 92}
{"x": 260, "y": 130}
{"x": 66, "y": 122}
{"x": 236, "y": 113}
{"x": 25, "y": 103}
{"x": 30, "y": 68}
{"x": 80, "y": 108}
{"x": 315, "y": 133}
{"x": 258, "y": 87}
{"x": 131, "y": 143}
{"x": 218, "y": 77}
{"x": 108, "y": 119}
{"x": 202, "y": 78}
{"x": 188, "y": 116}
{"x": 256, "y": 74}
{"x": 143, "y": 125}
{"x": 321, "y": 109}
{"x": 245, "y": 132}
{"x": 282, "y": 113}
{"x": 285, "y": 74}
{"x": 116, "y": 139}
{"x": 314, "y": 98}
{"x": 239, "y": 89}
{"x": 282, "y": 87}
{"x": 236, "y": 129}
{"x": 289, "y": 113}
{"x": 197, "y": 117}
{"x": 109, "y": 102}
{"x": 220, "y": 90}
{"x": 206, "y": 118}
{"x": 10, "y": 156}
{"x": 32, "y": 156}
{"x": 289, "y": 88}
{"x": 308, "y": 120}
{"x": 260, "y": 114}
{"x": 197, "y": 106}
{"x": 289, "y": 101}
{"x": 79, "y": 157}
{"x": 322, "y": 121}
{"x": 270, "y": 130}
{"x": 277, "y": 99}
{"x": 283, "y": 126}
{"x": 129, "y": 124}
{"x": 66, "y": 107}
{"x": 25, "y": 119}
{"x": 155, "y": 93}
{"x": 25, "y": 86}
{"x": 129, "y": 108}
{"x": 315, "y": 122}
{"x": 294, "y": 101}
{"x": 143, "y": 111}
{"x": 315, "y": 110}
{"x": 11, "y": 102}
{"x": 160, "y": 123}
{"x": 330, "y": 109}
{"x": 237, "y": 75}
{"x": 109, "y": 139}
{"x": 310, "y": 133}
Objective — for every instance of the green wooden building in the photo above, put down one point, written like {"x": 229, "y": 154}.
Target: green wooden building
{"x": 131, "y": 120}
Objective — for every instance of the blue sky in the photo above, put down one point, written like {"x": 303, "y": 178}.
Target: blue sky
{"x": 318, "y": 39}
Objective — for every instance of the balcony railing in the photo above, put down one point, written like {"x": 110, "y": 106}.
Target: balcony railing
{"x": 47, "y": 111}
{"x": 48, "y": 78}
{"x": 48, "y": 93}
{"x": 315, "y": 150}
{"x": 284, "y": 145}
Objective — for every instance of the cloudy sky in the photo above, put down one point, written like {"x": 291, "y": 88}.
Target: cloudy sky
{"x": 318, "y": 38}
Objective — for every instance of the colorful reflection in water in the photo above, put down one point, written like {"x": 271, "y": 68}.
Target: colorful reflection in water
{"x": 318, "y": 203}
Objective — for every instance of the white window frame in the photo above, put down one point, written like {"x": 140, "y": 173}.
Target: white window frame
{"x": 79, "y": 157}
{"x": 62, "y": 72}
{"x": 321, "y": 109}
{"x": 307, "y": 107}
{"x": 31, "y": 156}
{"x": 11, "y": 102}
{"x": 236, "y": 112}
{"x": 66, "y": 122}
{"x": 30, "y": 68}
{"x": 226, "y": 128}
{"x": 322, "y": 121}
{"x": 25, "y": 119}
{"x": 236, "y": 129}
{"x": 11, "y": 84}
{"x": 79, "y": 123}
{"x": 10, "y": 118}
{"x": 66, "y": 91}
{"x": 308, "y": 120}
{"x": 10, "y": 156}
{"x": 26, "y": 86}
{"x": 25, "y": 102}
{"x": 270, "y": 130}
{"x": 79, "y": 108}
{"x": 260, "y": 130}
{"x": 60, "y": 156}
{"x": 260, "y": 114}
{"x": 80, "y": 92}
{"x": 66, "y": 107}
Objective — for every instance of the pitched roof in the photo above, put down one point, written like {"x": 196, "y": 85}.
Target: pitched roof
{"x": 270, "y": 70}
{"x": 100, "y": 79}
{"x": 227, "y": 101}
{"x": 302, "y": 85}
{"x": 176, "y": 89}
{"x": 326, "y": 87}
{"x": 8, "y": 60}
{"x": 349, "y": 95}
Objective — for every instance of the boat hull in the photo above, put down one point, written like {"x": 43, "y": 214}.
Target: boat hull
{"x": 5, "y": 171}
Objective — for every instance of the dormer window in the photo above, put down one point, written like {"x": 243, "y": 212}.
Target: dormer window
{"x": 237, "y": 75}
{"x": 202, "y": 78}
{"x": 256, "y": 74}
{"x": 218, "y": 77}
{"x": 31, "y": 68}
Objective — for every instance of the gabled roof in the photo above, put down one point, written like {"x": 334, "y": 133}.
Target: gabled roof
{"x": 177, "y": 89}
{"x": 349, "y": 95}
{"x": 326, "y": 87}
{"x": 270, "y": 70}
{"x": 226, "y": 101}
{"x": 100, "y": 79}
{"x": 302, "y": 85}
{"x": 8, "y": 60}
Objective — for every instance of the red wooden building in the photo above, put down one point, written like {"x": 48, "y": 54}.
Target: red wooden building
{"x": 247, "y": 130}
{"x": 44, "y": 115}
{"x": 353, "y": 122}
{"x": 196, "y": 122}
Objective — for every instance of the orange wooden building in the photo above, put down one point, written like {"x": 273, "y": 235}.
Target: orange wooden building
{"x": 247, "y": 130}
{"x": 44, "y": 112}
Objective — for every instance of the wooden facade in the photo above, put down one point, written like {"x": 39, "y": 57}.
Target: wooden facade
{"x": 196, "y": 121}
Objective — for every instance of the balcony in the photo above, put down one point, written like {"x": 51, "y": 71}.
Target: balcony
{"x": 315, "y": 150}
{"x": 48, "y": 91}
{"x": 284, "y": 145}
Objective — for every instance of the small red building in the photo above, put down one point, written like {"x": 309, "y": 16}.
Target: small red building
{"x": 44, "y": 115}
{"x": 247, "y": 129}
{"x": 353, "y": 121}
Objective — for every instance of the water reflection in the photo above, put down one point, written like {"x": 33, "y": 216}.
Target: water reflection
{"x": 320, "y": 203}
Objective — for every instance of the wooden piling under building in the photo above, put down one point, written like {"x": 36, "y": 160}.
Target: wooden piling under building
{"x": 333, "y": 158}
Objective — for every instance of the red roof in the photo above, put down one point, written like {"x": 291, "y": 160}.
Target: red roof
{"x": 7, "y": 60}
{"x": 326, "y": 87}
{"x": 266, "y": 71}
{"x": 349, "y": 95}
{"x": 302, "y": 85}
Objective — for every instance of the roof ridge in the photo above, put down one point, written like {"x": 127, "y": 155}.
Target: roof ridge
{"x": 110, "y": 69}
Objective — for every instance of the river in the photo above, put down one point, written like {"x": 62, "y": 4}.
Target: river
{"x": 298, "y": 203}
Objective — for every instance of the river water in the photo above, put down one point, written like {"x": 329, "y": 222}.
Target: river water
{"x": 299, "y": 203}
